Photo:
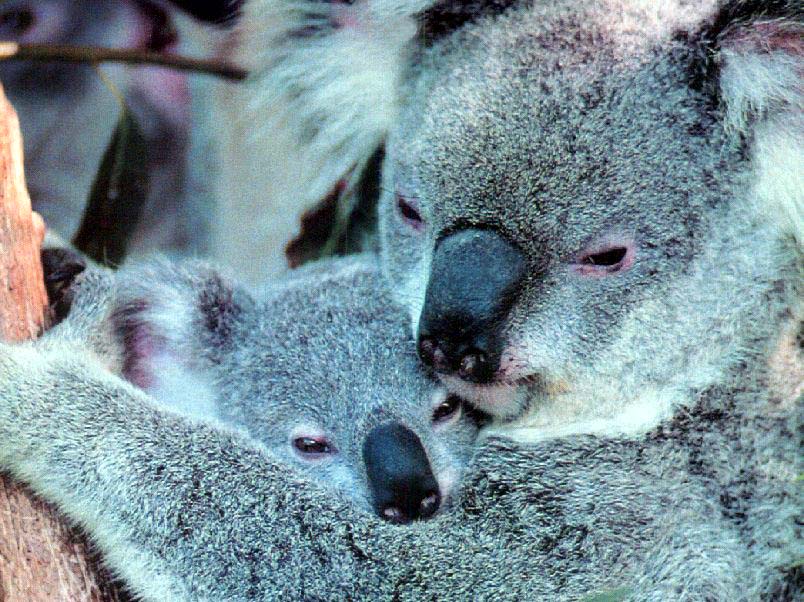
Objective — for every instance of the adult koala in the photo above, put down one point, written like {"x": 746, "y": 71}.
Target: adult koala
{"x": 569, "y": 206}
{"x": 585, "y": 207}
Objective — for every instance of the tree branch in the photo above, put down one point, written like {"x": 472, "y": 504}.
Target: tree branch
{"x": 92, "y": 54}
{"x": 41, "y": 559}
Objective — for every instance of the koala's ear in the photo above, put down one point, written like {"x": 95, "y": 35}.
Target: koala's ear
{"x": 175, "y": 321}
{"x": 756, "y": 55}
{"x": 755, "y": 66}
{"x": 328, "y": 76}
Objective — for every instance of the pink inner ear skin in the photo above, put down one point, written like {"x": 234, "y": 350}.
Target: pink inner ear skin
{"x": 139, "y": 368}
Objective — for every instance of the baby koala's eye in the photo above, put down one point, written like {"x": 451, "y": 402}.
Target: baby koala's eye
{"x": 447, "y": 408}
{"x": 313, "y": 447}
{"x": 409, "y": 211}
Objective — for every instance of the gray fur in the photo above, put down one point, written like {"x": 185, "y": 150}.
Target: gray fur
{"x": 563, "y": 125}
{"x": 184, "y": 509}
{"x": 304, "y": 359}
{"x": 652, "y": 455}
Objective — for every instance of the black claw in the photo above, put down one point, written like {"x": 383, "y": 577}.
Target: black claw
{"x": 61, "y": 267}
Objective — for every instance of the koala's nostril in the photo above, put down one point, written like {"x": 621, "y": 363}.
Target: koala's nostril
{"x": 432, "y": 354}
{"x": 475, "y": 279}
{"x": 427, "y": 349}
{"x": 429, "y": 505}
{"x": 394, "y": 515}
{"x": 472, "y": 364}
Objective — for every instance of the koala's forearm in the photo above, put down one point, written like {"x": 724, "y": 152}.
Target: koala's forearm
{"x": 182, "y": 511}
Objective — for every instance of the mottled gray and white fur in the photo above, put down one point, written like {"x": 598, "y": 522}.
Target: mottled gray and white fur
{"x": 317, "y": 360}
{"x": 187, "y": 504}
{"x": 571, "y": 129}
{"x": 652, "y": 455}
{"x": 639, "y": 160}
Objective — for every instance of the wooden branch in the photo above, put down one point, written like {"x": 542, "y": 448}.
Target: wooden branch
{"x": 93, "y": 54}
{"x": 41, "y": 559}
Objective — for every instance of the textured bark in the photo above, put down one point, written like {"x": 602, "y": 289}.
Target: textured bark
{"x": 41, "y": 559}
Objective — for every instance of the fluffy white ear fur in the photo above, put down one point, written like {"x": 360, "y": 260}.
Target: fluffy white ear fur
{"x": 159, "y": 318}
{"x": 321, "y": 96}
{"x": 761, "y": 75}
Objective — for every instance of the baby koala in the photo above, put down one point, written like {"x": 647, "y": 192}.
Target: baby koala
{"x": 320, "y": 370}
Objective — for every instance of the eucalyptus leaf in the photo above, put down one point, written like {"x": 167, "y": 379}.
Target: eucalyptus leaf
{"x": 117, "y": 196}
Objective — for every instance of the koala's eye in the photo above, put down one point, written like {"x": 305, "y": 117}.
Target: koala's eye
{"x": 313, "y": 447}
{"x": 447, "y": 408}
{"x": 409, "y": 211}
{"x": 607, "y": 260}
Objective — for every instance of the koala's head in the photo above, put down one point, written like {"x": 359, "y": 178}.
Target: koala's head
{"x": 564, "y": 180}
{"x": 322, "y": 371}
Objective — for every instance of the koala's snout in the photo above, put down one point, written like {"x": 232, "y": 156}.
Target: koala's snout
{"x": 399, "y": 474}
{"x": 474, "y": 278}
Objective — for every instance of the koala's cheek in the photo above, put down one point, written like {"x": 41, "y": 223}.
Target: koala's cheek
{"x": 447, "y": 483}
{"x": 400, "y": 248}
{"x": 410, "y": 294}
{"x": 406, "y": 271}
{"x": 348, "y": 482}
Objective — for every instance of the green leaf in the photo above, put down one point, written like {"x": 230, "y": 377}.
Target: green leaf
{"x": 117, "y": 196}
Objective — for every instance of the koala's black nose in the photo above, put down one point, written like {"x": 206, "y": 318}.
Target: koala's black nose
{"x": 399, "y": 474}
{"x": 474, "y": 279}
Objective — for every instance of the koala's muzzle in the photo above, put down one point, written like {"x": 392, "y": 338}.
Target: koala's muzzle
{"x": 399, "y": 474}
{"x": 474, "y": 278}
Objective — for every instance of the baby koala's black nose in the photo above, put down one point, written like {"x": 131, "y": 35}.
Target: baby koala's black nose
{"x": 474, "y": 279}
{"x": 399, "y": 474}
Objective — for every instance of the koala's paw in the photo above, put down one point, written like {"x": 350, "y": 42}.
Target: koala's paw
{"x": 86, "y": 302}
{"x": 61, "y": 267}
